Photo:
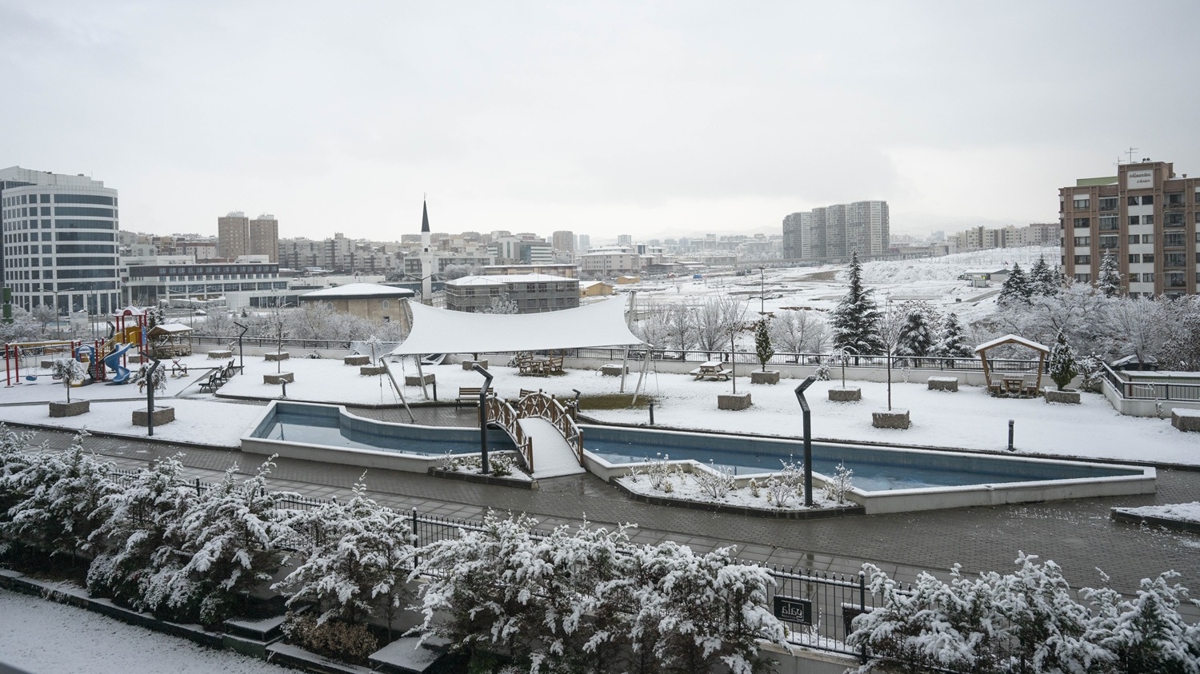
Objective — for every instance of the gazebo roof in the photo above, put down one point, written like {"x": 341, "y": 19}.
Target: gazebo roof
{"x": 1012, "y": 339}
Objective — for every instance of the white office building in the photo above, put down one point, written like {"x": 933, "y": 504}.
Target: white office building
{"x": 60, "y": 247}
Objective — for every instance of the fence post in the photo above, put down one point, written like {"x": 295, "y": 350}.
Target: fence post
{"x": 416, "y": 539}
{"x": 862, "y": 607}
{"x": 197, "y": 486}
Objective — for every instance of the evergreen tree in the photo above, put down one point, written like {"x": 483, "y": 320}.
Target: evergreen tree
{"x": 1017, "y": 287}
{"x": 856, "y": 320}
{"x": 762, "y": 341}
{"x": 1109, "y": 282}
{"x": 916, "y": 336}
{"x": 1061, "y": 363}
{"x": 953, "y": 342}
{"x": 1043, "y": 279}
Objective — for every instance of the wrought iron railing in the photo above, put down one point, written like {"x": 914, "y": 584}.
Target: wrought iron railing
{"x": 1151, "y": 390}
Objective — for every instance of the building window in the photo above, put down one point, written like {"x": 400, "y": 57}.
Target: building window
{"x": 1135, "y": 258}
{"x": 1110, "y": 241}
{"x": 1108, "y": 203}
{"x": 1174, "y": 279}
{"x": 1082, "y": 223}
{"x": 1083, "y": 259}
{"x": 1083, "y": 241}
{"x": 1081, "y": 201}
{"x": 1173, "y": 220}
{"x": 1148, "y": 258}
{"x": 1147, "y": 238}
{"x": 1173, "y": 239}
{"x": 1133, "y": 219}
{"x": 1133, "y": 239}
{"x": 1109, "y": 223}
{"x": 386, "y": 304}
{"x": 1083, "y": 278}
{"x": 1147, "y": 219}
{"x": 1174, "y": 260}
{"x": 1175, "y": 199}
{"x": 1134, "y": 278}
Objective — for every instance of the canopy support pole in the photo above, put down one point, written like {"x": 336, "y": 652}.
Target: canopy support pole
{"x": 421, "y": 376}
{"x": 641, "y": 375}
{"x": 387, "y": 367}
{"x": 624, "y": 368}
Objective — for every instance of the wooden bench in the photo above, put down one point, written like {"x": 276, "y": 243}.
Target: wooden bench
{"x": 211, "y": 383}
{"x": 528, "y": 392}
{"x": 469, "y": 394}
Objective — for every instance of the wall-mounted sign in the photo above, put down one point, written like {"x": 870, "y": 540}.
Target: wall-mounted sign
{"x": 1139, "y": 180}
{"x": 793, "y": 610}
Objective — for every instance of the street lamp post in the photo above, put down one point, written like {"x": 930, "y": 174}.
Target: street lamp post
{"x": 807, "y": 439}
{"x": 483, "y": 443}
{"x": 762, "y": 290}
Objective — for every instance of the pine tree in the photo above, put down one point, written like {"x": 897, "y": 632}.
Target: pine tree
{"x": 762, "y": 341}
{"x": 952, "y": 342}
{"x": 1043, "y": 279}
{"x": 1061, "y": 362}
{"x": 856, "y": 320}
{"x": 1017, "y": 287}
{"x": 1109, "y": 282}
{"x": 916, "y": 334}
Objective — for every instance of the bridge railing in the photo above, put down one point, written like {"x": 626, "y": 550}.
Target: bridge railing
{"x": 502, "y": 413}
{"x": 547, "y": 407}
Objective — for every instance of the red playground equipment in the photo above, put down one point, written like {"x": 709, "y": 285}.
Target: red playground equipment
{"x": 129, "y": 331}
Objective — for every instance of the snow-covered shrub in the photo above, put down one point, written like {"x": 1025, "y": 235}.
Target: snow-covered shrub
{"x": 69, "y": 371}
{"x": 822, "y": 372}
{"x": 355, "y": 560}
{"x": 785, "y": 485}
{"x": 714, "y": 481}
{"x": 658, "y": 471}
{"x": 232, "y": 536}
{"x": 1146, "y": 634}
{"x": 696, "y": 613}
{"x": 58, "y": 501}
{"x": 346, "y": 641}
{"x": 14, "y": 458}
{"x": 1091, "y": 371}
{"x": 839, "y": 483}
{"x": 133, "y": 541}
{"x": 1061, "y": 362}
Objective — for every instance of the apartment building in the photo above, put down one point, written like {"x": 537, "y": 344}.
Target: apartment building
{"x": 530, "y": 293}
{"x": 563, "y": 243}
{"x": 835, "y": 232}
{"x": 610, "y": 262}
{"x": 60, "y": 241}
{"x": 238, "y": 235}
{"x": 1146, "y": 216}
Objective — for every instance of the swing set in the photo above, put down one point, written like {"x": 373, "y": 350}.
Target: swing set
{"x": 31, "y": 355}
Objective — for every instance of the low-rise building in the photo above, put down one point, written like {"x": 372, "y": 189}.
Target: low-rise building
{"x": 371, "y": 301}
{"x": 520, "y": 293}
{"x": 610, "y": 262}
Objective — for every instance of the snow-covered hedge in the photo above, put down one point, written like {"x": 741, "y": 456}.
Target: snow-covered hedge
{"x": 1027, "y": 621}
{"x": 589, "y": 601}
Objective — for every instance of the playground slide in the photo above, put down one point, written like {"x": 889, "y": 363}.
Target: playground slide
{"x": 113, "y": 360}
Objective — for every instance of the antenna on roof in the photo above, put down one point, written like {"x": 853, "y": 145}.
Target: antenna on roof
{"x": 1130, "y": 152}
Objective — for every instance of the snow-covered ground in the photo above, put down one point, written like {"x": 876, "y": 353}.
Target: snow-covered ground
{"x": 40, "y": 636}
{"x": 1182, "y": 512}
{"x": 968, "y": 419}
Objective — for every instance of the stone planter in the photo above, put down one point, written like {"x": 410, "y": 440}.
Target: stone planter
{"x": 357, "y": 360}
{"x": 220, "y": 354}
{"x": 271, "y": 357}
{"x": 943, "y": 384}
{"x": 162, "y": 415}
{"x": 1185, "y": 420}
{"x": 733, "y": 401}
{"x": 891, "y": 419}
{"x": 372, "y": 370}
{"x": 1054, "y": 395}
{"x": 764, "y": 377}
{"x": 279, "y": 378}
{"x": 845, "y": 394}
{"x": 71, "y": 409}
{"x": 415, "y": 380}
{"x": 468, "y": 364}
{"x": 613, "y": 370}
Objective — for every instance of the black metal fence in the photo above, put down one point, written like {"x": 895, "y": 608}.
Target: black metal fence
{"x": 1151, "y": 390}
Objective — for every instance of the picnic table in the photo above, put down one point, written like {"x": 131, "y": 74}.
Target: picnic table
{"x": 712, "y": 369}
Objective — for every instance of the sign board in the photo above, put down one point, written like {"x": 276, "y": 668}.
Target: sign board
{"x": 1139, "y": 180}
{"x": 793, "y": 610}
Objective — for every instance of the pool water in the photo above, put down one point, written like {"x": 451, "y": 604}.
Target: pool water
{"x": 331, "y": 431}
{"x": 875, "y": 469}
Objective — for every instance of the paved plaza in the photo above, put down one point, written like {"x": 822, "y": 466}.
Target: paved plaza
{"x": 1077, "y": 534}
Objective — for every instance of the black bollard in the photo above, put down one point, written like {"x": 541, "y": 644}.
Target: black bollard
{"x": 651, "y": 414}
{"x": 1010, "y": 435}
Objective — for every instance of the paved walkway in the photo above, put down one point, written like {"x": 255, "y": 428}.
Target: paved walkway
{"x": 1078, "y": 534}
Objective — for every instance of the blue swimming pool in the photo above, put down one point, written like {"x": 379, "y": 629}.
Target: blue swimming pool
{"x": 875, "y": 468}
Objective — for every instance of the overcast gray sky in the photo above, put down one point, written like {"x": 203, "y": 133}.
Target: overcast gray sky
{"x": 654, "y": 119}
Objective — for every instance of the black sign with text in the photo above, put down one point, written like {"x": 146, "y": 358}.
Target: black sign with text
{"x": 793, "y": 610}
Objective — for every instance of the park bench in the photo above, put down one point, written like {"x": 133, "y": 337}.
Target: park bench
{"x": 468, "y": 394}
{"x": 211, "y": 383}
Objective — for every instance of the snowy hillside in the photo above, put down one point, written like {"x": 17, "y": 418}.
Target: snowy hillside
{"x": 950, "y": 267}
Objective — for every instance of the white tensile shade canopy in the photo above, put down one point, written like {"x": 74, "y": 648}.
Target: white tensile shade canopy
{"x": 443, "y": 331}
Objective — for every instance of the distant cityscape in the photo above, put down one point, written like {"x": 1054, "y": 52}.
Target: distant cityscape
{"x": 64, "y": 249}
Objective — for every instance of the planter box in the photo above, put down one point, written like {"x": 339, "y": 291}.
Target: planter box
{"x": 280, "y": 378}
{"x": 613, "y": 370}
{"x": 845, "y": 394}
{"x": 357, "y": 360}
{"x": 220, "y": 354}
{"x": 733, "y": 401}
{"x": 468, "y": 364}
{"x": 943, "y": 384}
{"x": 162, "y": 415}
{"x": 136, "y": 358}
{"x": 272, "y": 357}
{"x": 1185, "y": 420}
{"x": 1053, "y": 395}
{"x": 71, "y": 409}
{"x": 415, "y": 380}
{"x": 890, "y": 419}
{"x": 764, "y": 377}
{"x": 372, "y": 370}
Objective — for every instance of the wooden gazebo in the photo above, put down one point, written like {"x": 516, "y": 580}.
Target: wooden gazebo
{"x": 1013, "y": 384}
{"x": 170, "y": 340}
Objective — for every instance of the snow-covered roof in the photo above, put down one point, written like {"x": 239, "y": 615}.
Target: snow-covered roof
{"x": 353, "y": 290}
{"x": 169, "y": 329}
{"x": 1013, "y": 339}
{"x": 444, "y": 331}
{"x": 501, "y": 279}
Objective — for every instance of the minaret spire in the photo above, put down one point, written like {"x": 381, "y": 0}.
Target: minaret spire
{"x": 424, "y": 217}
{"x": 426, "y": 256}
